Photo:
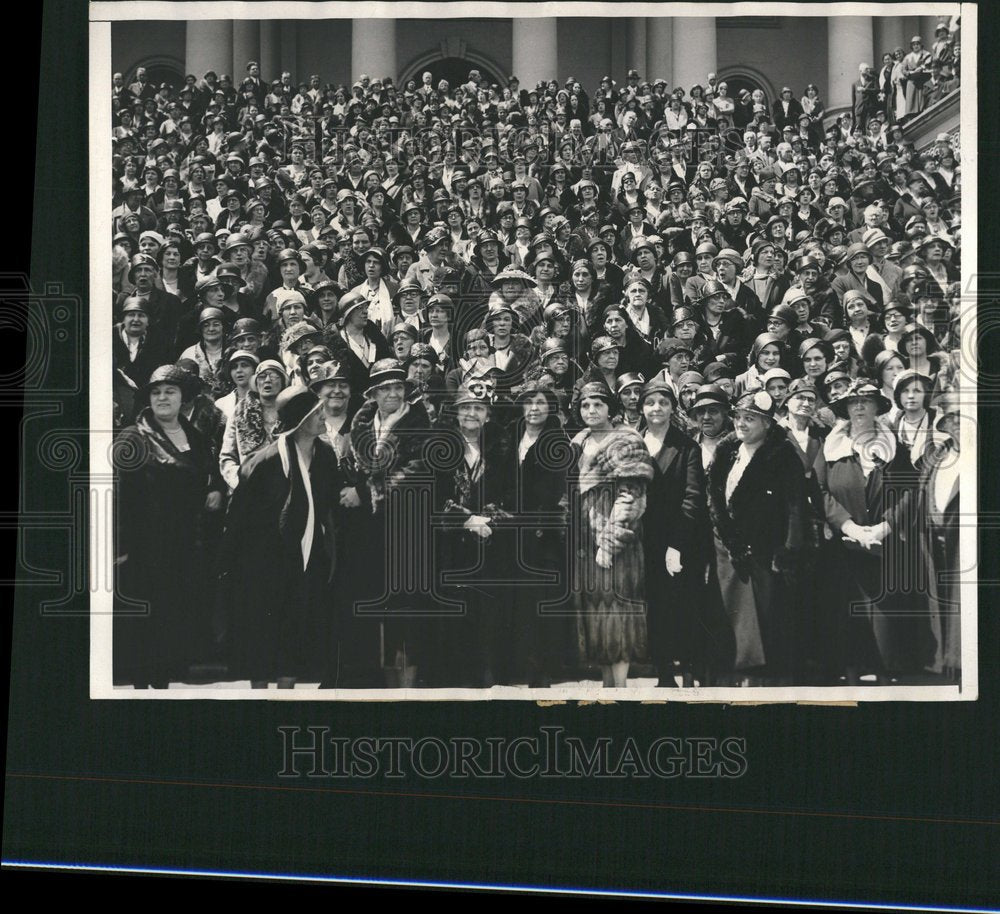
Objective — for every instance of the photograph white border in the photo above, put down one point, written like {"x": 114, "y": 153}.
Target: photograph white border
{"x": 101, "y": 555}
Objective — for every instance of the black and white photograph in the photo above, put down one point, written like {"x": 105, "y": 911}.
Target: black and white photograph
{"x": 529, "y": 357}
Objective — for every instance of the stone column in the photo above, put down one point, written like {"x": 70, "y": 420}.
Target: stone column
{"x": 373, "y": 48}
{"x": 535, "y": 50}
{"x": 694, "y": 50}
{"x": 270, "y": 49}
{"x": 849, "y": 45}
{"x": 289, "y": 49}
{"x": 208, "y": 46}
{"x": 890, "y": 33}
{"x": 637, "y": 46}
{"x": 926, "y": 30}
{"x": 246, "y": 47}
{"x": 660, "y": 48}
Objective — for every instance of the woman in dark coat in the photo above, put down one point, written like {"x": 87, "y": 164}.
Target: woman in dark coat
{"x": 813, "y": 609}
{"x": 726, "y": 331}
{"x": 673, "y": 527}
{"x": 387, "y": 436}
{"x": 540, "y": 457}
{"x": 356, "y": 342}
{"x": 168, "y": 483}
{"x": 936, "y": 524}
{"x": 757, "y": 502}
{"x": 474, "y": 635}
{"x": 282, "y": 627}
{"x": 865, "y": 477}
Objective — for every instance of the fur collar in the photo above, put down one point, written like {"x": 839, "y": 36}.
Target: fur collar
{"x": 775, "y": 448}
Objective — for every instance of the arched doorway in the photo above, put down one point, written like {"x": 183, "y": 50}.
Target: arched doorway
{"x": 159, "y": 71}
{"x": 454, "y": 69}
{"x": 744, "y": 79}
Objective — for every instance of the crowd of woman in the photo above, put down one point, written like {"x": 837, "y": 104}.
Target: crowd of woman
{"x": 576, "y": 390}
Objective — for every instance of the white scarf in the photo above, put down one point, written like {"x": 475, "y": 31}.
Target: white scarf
{"x": 380, "y": 304}
{"x": 364, "y": 351}
{"x": 880, "y": 443}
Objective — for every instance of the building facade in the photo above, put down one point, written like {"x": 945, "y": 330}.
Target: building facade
{"x": 759, "y": 51}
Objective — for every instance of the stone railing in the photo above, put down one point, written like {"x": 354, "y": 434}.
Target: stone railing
{"x": 941, "y": 117}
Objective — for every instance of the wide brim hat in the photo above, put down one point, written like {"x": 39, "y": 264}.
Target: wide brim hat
{"x": 464, "y": 395}
{"x": 860, "y": 389}
{"x": 350, "y": 302}
{"x": 935, "y": 239}
{"x": 295, "y": 405}
{"x": 383, "y": 373}
{"x": 329, "y": 371}
{"x": 434, "y": 237}
{"x": 916, "y": 330}
{"x": 898, "y": 304}
{"x": 758, "y": 402}
{"x": 684, "y": 313}
{"x": 299, "y": 331}
{"x": 513, "y": 273}
{"x": 709, "y": 394}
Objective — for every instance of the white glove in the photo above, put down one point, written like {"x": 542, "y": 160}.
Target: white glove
{"x": 479, "y": 525}
{"x": 673, "y": 560}
{"x": 854, "y": 533}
